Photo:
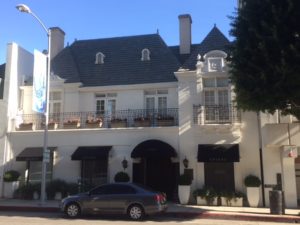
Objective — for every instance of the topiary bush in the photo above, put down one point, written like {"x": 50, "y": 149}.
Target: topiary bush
{"x": 11, "y": 175}
{"x": 121, "y": 177}
{"x": 252, "y": 181}
{"x": 25, "y": 191}
{"x": 184, "y": 179}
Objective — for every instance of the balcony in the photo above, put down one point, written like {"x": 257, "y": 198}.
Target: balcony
{"x": 93, "y": 120}
{"x": 216, "y": 114}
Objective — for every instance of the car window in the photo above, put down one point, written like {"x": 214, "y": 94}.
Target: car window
{"x": 112, "y": 189}
{"x": 120, "y": 189}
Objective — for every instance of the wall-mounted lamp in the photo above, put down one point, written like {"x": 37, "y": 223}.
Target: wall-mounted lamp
{"x": 185, "y": 163}
{"x": 124, "y": 163}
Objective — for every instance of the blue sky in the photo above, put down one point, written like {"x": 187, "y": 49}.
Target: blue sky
{"x": 91, "y": 19}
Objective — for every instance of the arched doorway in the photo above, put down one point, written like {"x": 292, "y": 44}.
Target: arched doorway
{"x": 155, "y": 167}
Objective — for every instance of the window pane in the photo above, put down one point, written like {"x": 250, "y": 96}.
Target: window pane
{"x": 100, "y": 95}
{"x": 209, "y": 82}
{"x": 55, "y": 95}
{"x": 111, "y": 105}
{"x": 150, "y": 103}
{"x": 162, "y": 92}
{"x": 222, "y": 82}
{"x": 209, "y": 97}
{"x": 215, "y": 64}
{"x": 112, "y": 95}
{"x": 100, "y": 106}
{"x": 223, "y": 97}
{"x": 150, "y": 92}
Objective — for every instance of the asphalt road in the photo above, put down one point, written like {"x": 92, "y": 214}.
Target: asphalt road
{"x": 34, "y": 218}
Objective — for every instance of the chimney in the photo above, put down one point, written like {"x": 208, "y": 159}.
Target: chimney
{"x": 57, "y": 41}
{"x": 185, "y": 32}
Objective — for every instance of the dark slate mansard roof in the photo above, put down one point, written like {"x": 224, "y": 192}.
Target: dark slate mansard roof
{"x": 122, "y": 62}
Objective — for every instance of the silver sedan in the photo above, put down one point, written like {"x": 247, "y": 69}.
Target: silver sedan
{"x": 117, "y": 198}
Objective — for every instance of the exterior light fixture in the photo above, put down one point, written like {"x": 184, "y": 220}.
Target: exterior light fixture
{"x": 124, "y": 163}
{"x": 185, "y": 163}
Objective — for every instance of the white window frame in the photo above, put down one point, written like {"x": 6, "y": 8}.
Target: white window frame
{"x": 156, "y": 94}
{"x": 99, "y": 58}
{"x": 106, "y": 97}
{"x": 145, "y": 54}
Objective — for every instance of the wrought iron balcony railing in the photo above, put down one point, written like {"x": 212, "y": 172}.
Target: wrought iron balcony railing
{"x": 104, "y": 119}
{"x": 216, "y": 114}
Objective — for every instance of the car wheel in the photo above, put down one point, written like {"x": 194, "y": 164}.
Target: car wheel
{"x": 72, "y": 210}
{"x": 136, "y": 212}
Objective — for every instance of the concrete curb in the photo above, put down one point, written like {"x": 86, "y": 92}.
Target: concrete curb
{"x": 204, "y": 215}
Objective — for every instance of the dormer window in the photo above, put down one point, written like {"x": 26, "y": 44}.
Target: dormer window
{"x": 99, "y": 58}
{"x": 145, "y": 54}
{"x": 215, "y": 64}
{"x": 215, "y": 61}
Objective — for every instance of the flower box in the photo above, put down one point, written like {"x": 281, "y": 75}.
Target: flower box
{"x": 93, "y": 123}
{"x": 25, "y": 126}
{"x": 118, "y": 123}
{"x": 51, "y": 126}
{"x": 142, "y": 122}
{"x": 165, "y": 122}
{"x": 71, "y": 125}
{"x": 235, "y": 202}
{"x": 203, "y": 201}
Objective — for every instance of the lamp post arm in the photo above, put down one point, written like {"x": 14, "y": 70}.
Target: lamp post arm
{"x": 40, "y": 22}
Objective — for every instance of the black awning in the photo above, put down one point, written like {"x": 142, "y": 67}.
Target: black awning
{"x": 218, "y": 153}
{"x": 91, "y": 152}
{"x": 32, "y": 154}
{"x": 153, "y": 148}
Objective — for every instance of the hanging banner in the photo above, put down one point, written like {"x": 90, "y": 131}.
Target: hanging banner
{"x": 39, "y": 82}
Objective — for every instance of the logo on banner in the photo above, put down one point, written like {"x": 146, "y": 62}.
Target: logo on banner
{"x": 39, "y": 82}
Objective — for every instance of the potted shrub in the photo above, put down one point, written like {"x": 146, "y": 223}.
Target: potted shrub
{"x": 252, "y": 183}
{"x": 206, "y": 196}
{"x": 11, "y": 182}
{"x": 122, "y": 177}
{"x": 184, "y": 188}
{"x": 51, "y": 126}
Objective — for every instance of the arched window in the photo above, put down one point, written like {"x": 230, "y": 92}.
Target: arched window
{"x": 99, "y": 58}
{"x": 145, "y": 54}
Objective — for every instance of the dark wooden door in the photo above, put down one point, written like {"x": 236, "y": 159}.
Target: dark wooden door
{"x": 219, "y": 176}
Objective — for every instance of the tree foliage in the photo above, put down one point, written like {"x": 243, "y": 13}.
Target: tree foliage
{"x": 265, "y": 57}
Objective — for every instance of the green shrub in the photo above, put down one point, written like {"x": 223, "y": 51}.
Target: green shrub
{"x": 252, "y": 181}
{"x": 207, "y": 193}
{"x": 184, "y": 179}
{"x": 25, "y": 191}
{"x": 72, "y": 188}
{"x": 54, "y": 186}
{"x": 121, "y": 177}
{"x": 11, "y": 175}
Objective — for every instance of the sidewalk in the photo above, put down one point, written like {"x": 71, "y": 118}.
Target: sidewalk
{"x": 174, "y": 210}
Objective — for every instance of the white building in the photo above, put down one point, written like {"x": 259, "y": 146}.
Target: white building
{"x": 171, "y": 104}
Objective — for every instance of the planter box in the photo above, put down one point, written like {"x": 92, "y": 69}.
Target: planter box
{"x": 116, "y": 124}
{"x": 51, "y": 126}
{"x": 202, "y": 201}
{"x": 25, "y": 126}
{"x": 165, "y": 123}
{"x": 72, "y": 125}
{"x": 144, "y": 123}
{"x": 237, "y": 202}
{"x": 93, "y": 125}
{"x": 9, "y": 188}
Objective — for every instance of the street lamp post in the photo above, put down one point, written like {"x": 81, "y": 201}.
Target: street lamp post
{"x": 25, "y": 9}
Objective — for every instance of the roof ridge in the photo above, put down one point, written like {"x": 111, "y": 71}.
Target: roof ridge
{"x": 117, "y": 37}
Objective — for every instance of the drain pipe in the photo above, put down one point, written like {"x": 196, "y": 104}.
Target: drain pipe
{"x": 261, "y": 159}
